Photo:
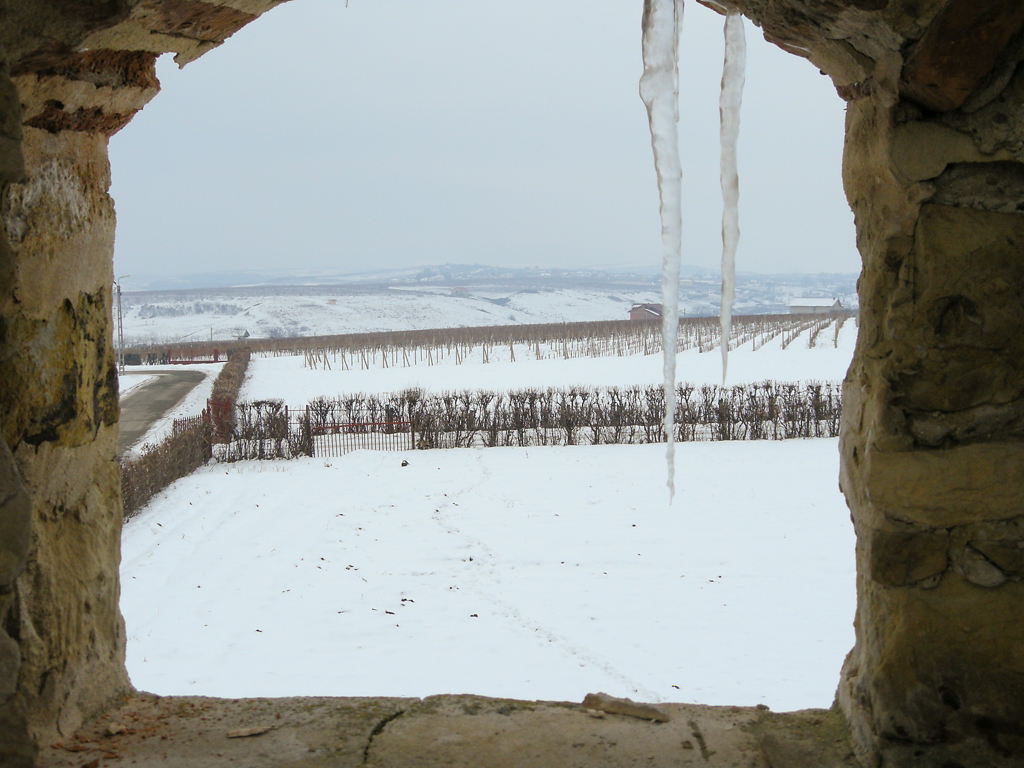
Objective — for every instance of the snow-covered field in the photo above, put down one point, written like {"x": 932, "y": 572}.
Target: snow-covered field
{"x": 531, "y": 573}
{"x": 542, "y": 572}
{"x": 223, "y": 316}
{"x": 288, "y": 378}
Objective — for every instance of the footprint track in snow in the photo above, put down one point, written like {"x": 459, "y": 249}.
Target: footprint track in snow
{"x": 487, "y": 560}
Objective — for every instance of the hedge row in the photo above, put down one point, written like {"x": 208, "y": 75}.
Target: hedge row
{"x": 763, "y": 411}
{"x": 577, "y": 416}
{"x": 157, "y": 466}
{"x": 187, "y": 449}
{"x": 232, "y": 375}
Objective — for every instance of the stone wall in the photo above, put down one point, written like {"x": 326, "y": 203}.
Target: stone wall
{"x": 932, "y": 448}
{"x": 73, "y": 73}
{"x": 16, "y": 748}
{"x": 933, "y": 440}
{"x": 58, "y": 397}
{"x": 933, "y": 422}
{"x": 59, "y": 400}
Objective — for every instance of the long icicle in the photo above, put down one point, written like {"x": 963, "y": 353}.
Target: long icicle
{"x": 733, "y": 75}
{"x": 659, "y": 90}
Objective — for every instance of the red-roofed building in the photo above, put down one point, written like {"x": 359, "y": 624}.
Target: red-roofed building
{"x": 645, "y": 312}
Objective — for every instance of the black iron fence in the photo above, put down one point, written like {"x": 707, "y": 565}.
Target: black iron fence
{"x": 337, "y": 439}
{"x": 269, "y": 429}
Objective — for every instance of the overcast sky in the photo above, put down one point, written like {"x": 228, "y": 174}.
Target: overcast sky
{"x": 395, "y": 133}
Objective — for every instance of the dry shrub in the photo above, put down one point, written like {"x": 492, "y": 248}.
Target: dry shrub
{"x": 765, "y": 410}
{"x": 263, "y": 430}
{"x": 232, "y": 375}
{"x": 225, "y": 393}
{"x": 190, "y": 444}
{"x": 160, "y": 465}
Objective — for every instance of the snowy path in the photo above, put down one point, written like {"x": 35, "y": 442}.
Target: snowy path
{"x": 143, "y": 423}
{"x": 142, "y": 407}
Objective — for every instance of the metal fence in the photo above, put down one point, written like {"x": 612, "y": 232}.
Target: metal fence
{"x": 339, "y": 439}
{"x": 270, "y": 430}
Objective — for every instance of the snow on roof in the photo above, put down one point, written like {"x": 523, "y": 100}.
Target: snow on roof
{"x": 813, "y": 302}
{"x": 652, "y": 308}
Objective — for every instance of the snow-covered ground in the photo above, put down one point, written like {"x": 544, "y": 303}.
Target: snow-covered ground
{"x": 531, "y": 573}
{"x": 132, "y": 380}
{"x": 287, "y": 377}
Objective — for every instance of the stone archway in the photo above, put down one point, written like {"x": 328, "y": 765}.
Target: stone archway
{"x": 933, "y": 433}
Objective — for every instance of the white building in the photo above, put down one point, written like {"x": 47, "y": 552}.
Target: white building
{"x": 814, "y": 306}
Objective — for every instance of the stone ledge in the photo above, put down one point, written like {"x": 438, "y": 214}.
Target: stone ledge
{"x": 453, "y": 730}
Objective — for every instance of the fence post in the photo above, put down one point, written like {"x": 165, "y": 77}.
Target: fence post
{"x": 309, "y": 428}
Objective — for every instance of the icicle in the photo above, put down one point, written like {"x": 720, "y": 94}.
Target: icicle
{"x": 733, "y": 73}
{"x": 659, "y": 90}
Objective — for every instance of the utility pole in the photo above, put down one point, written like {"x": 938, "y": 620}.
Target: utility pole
{"x": 120, "y": 328}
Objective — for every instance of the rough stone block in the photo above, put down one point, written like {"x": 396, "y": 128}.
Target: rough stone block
{"x": 955, "y": 319}
{"x": 60, "y": 221}
{"x": 10, "y": 663}
{"x": 93, "y": 92}
{"x": 17, "y": 749}
{"x": 902, "y": 558}
{"x": 959, "y": 49}
{"x": 922, "y": 150}
{"x": 996, "y": 127}
{"x": 188, "y": 28}
{"x": 70, "y": 618}
{"x": 12, "y": 166}
{"x": 946, "y": 666}
{"x": 940, "y": 488}
{"x": 987, "y": 186}
{"x": 59, "y": 379}
{"x": 976, "y": 253}
{"x": 976, "y": 568}
{"x": 15, "y": 521}
{"x": 1007, "y": 556}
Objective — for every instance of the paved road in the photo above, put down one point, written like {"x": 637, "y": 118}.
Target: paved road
{"x": 144, "y": 405}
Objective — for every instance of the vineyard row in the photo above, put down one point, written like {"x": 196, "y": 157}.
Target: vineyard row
{"x": 483, "y": 344}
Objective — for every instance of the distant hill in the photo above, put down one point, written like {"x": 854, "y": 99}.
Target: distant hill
{"x": 449, "y": 295}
